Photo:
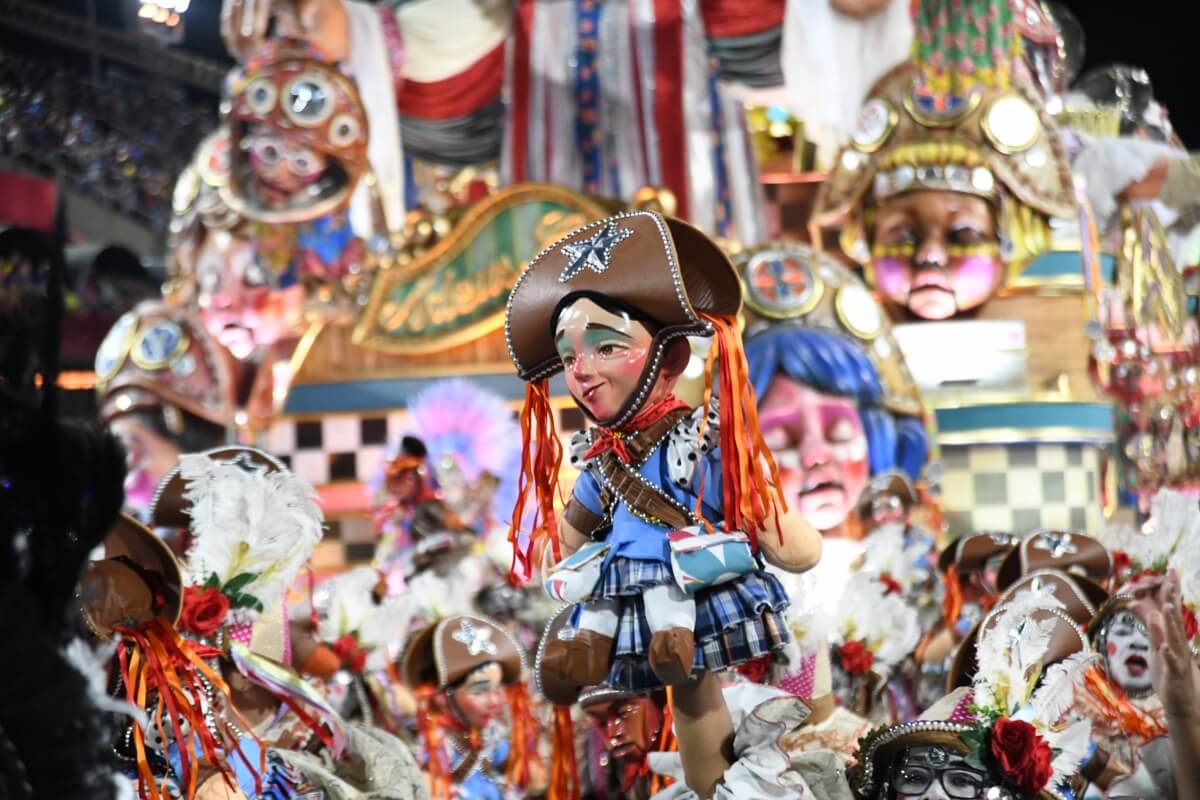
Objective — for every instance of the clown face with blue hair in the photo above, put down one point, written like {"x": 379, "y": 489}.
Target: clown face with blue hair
{"x": 837, "y": 405}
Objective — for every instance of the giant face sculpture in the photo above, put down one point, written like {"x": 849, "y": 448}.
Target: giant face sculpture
{"x": 820, "y": 447}
{"x": 836, "y": 401}
{"x": 936, "y": 253}
{"x": 942, "y": 196}
{"x": 242, "y": 288}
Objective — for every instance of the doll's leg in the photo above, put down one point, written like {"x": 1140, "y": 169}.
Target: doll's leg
{"x": 584, "y": 658}
{"x": 671, "y": 616}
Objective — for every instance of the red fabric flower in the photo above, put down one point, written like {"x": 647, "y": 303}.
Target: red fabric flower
{"x": 890, "y": 584}
{"x": 1121, "y": 561}
{"x": 755, "y": 670}
{"x": 855, "y": 658}
{"x": 204, "y": 610}
{"x": 1189, "y": 622}
{"x": 1021, "y": 754}
{"x": 353, "y": 657}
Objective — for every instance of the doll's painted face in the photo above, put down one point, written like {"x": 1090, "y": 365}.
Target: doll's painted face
{"x": 1127, "y": 652}
{"x": 930, "y": 772}
{"x": 820, "y": 446}
{"x": 936, "y": 252}
{"x": 237, "y": 304}
{"x": 603, "y": 356}
{"x": 282, "y": 167}
{"x": 480, "y": 698}
{"x": 631, "y": 727}
{"x": 148, "y": 458}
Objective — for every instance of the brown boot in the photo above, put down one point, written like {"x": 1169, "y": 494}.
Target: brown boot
{"x": 671, "y": 654}
{"x": 583, "y": 660}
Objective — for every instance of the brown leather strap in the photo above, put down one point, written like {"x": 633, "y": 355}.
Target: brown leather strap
{"x": 620, "y": 483}
{"x": 580, "y": 517}
{"x": 641, "y": 496}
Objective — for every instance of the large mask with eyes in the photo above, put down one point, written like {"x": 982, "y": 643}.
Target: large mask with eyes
{"x": 298, "y": 136}
{"x": 943, "y": 197}
{"x": 1124, "y": 644}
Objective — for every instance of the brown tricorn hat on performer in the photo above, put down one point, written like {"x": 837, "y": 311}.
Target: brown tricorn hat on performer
{"x": 669, "y": 275}
{"x": 447, "y": 651}
{"x": 1065, "y": 640}
{"x": 1073, "y": 553}
{"x": 137, "y": 580}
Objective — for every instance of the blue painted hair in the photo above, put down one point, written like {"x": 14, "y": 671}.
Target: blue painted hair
{"x": 832, "y": 364}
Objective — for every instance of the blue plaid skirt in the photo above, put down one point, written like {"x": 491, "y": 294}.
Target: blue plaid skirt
{"x": 736, "y": 621}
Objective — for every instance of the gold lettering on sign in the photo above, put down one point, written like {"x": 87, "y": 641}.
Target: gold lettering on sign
{"x": 432, "y": 303}
{"x": 554, "y": 225}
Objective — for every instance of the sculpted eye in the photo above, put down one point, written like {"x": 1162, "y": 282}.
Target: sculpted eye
{"x": 966, "y": 235}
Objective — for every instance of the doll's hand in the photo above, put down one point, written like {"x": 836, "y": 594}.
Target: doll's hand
{"x": 793, "y": 546}
{"x": 1173, "y": 672}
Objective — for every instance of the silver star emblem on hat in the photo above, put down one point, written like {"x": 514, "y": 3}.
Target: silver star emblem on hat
{"x": 476, "y": 640}
{"x": 1058, "y": 544}
{"x": 594, "y": 253}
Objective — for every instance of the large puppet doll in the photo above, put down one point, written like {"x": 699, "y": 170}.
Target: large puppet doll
{"x": 659, "y": 596}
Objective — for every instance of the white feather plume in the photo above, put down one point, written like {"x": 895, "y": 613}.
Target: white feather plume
{"x": 1056, "y": 695}
{"x": 245, "y": 522}
{"x": 346, "y": 605}
{"x": 1073, "y": 744}
{"x": 1003, "y": 673}
{"x": 344, "y": 602}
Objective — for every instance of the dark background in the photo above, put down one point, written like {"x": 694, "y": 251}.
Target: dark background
{"x": 1158, "y": 35}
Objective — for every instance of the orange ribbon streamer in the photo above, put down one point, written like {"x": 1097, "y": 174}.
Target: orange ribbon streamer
{"x": 541, "y": 460}
{"x": 1106, "y": 700}
{"x": 524, "y": 737}
{"x": 564, "y": 773}
{"x": 750, "y": 494}
{"x": 155, "y": 661}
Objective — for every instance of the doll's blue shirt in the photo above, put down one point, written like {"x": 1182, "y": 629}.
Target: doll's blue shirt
{"x": 635, "y": 538}
{"x": 480, "y": 785}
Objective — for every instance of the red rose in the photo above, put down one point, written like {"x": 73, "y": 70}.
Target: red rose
{"x": 890, "y": 584}
{"x": 855, "y": 658}
{"x": 1021, "y": 754}
{"x": 353, "y": 657}
{"x": 1189, "y": 622}
{"x": 755, "y": 670}
{"x": 1121, "y": 561}
{"x": 204, "y": 609}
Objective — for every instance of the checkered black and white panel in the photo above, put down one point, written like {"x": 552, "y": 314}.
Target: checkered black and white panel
{"x": 338, "y": 448}
{"x": 1021, "y": 487}
{"x": 349, "y": 449}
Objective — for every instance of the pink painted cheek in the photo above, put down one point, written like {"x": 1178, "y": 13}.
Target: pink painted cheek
{"x": 893, "y": 276}
{"x": 1111, "y": 648}
{"x": 974, "y": 279}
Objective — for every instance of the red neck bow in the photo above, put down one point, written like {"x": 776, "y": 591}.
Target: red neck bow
{"x": 605, "y": 439}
